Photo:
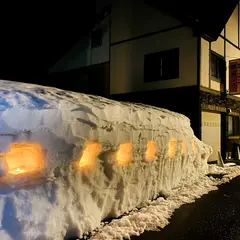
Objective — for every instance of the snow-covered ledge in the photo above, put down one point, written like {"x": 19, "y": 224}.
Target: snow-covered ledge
{"x": 86, "y": 159}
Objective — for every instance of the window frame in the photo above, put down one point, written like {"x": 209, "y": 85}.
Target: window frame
{"x": 153, "y": 60}
{"x": 218, "y": 61}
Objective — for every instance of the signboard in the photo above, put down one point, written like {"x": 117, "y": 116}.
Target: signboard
{"x": 213, "y": 108}
{"x": 234, "y": 77}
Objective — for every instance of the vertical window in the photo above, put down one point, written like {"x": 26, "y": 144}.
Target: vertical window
{"x": 236, "y": 126}
{"x": 230, "y": 125}
{"x": 161, "y": 66}
{"x": 218, "y": 68}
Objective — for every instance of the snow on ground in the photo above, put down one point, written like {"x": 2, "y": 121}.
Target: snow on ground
{"x": 156, "y": 214}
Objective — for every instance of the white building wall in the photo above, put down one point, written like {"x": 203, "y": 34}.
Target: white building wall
{"x": 132, "y": 23}
{"x": 211, "y": 132}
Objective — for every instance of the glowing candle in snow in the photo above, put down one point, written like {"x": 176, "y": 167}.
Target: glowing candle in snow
{"x": 90, "y": 154}
{"x": 124, "y": 154}
{"x": 17, "y": 171}
{"x": 24, "y": 157}
{"x": 151, "y": 151}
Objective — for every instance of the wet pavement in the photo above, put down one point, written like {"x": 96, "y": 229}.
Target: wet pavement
{"x": 214, "y": 216}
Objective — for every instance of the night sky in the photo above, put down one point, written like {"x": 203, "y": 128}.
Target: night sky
{"x": 34, "y": 37}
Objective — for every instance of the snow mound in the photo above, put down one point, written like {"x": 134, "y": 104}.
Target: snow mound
{"x": 102, "y": 159}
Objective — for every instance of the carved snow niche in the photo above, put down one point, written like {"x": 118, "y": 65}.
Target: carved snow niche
{"x": 24, "y": 158}
{"x": 151, "y": 151}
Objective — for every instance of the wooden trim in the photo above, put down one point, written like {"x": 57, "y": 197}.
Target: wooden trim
{"x": 238, "y": 26}
{"x": 233, "y": 44}
{"x": 215, "y": 79}
{"x": 198, "y": 61}
{"x": 148, "y": 34}
{"x": 209, "y": 67}
{"x": 109, "y": 58}
{"x": 199, "y": 84}
{"x": 225, "y": 58}
{"x": 212, "y": 91}
{"x": 217, "y": 54}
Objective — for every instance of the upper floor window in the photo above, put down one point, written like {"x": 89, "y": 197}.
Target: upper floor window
{"x": 218, "y": 67}
{"x": 161, "y": 65}
{"x": 96, "y": 38}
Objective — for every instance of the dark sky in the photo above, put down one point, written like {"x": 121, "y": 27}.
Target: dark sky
{"x": 208, "y": 16}
{"x": 33, "y": 38}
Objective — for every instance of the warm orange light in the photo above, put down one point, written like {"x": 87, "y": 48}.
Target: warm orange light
{"x": 151, "y": 151}
{"x": 172, "y": 147}
{"x": 18, "y": 171}
{"x": 184, "y": 147}
{"x": 124, "y": 154}
{"x": 24, "y": 158}
{"x": 91, "y": 151}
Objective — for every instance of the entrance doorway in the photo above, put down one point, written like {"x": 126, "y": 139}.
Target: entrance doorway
{"x": 211, "y": 132}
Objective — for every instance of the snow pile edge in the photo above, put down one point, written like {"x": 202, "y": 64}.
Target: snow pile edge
{"x": 156, "y": 214}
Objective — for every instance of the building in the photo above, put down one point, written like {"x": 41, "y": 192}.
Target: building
{"x": 85, "y": 68}
{"x": 141, "y": 53}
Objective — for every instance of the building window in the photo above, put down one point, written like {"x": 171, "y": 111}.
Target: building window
{"x": 230, "y": 125}
{"x": 218, "y": 68}
{"x": 96, "y": 38}
{"x": 233, "y": 126}
{"x": 161, "y": 66}
{"x": 236, "y": 126}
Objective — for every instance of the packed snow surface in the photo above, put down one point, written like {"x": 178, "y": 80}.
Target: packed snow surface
{"x": 102, "y": 159}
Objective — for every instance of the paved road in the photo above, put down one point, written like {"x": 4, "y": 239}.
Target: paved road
{"x": 214, "y": 216}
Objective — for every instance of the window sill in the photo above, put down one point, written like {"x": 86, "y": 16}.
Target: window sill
{"x": 215, "y": 79}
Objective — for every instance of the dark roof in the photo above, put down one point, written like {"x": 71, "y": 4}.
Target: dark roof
{"x": 207, "y": 17}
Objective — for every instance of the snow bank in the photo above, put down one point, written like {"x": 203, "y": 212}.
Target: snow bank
{"x": 156, "y": 214}
{"x": 102, "y": 159}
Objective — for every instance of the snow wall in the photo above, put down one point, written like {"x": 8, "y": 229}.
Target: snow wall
{"x": 102, "y": 159}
